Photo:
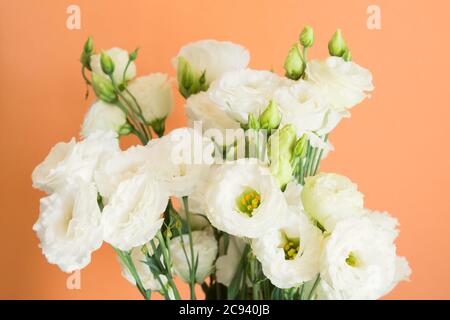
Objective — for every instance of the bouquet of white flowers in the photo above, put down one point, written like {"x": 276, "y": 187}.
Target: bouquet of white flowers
{"x": 234, "y": 203}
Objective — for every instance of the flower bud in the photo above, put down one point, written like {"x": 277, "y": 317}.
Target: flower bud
{"x": 307, "y": 37}
{"x": 336, "y": 45}
{"x": 271, "y": 117}
{"x": 126, "y": 129}
{"x": 88, "y": 46}
{"x": 347, "y": 56}
{"x": 185, "y": 77}
{"x": 106, "y": 63}
{"x": 294, "y": 64}
{"x": 133, "y": 54}
{"x": 103, "y": 88}
{"x": 85, "y": 58}
{"x": 281, "y": 151}
{"x": 301, "y": 146}
{"x": 253, "y": 123}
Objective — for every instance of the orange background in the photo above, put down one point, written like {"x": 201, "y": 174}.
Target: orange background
{"x": 395, "y": 146}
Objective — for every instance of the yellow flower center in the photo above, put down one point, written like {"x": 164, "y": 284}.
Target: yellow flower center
{"x": 248, "y": 201}
{"x": 351, "y": 260}
{"x": 291, "y": 246}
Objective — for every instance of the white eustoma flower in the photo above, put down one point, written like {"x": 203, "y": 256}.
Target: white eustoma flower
{"x": 181, "y": 160}
{"x": 329, "y": 198}
{"x": 200, "y": 108}
{"x": 359, "y": 259}
{"x": 118, "y": 167}
{"x": 244, "y": 92}
{"x": 243, "y": 199}
{"x": 302, "y": 105}
{"x": 69, "y": 162}
{"x": 154, "y": 95}
{"x": 69, "y": 226}
{"x": 148, "y": 279}
{"x": 227, "y": 264}
{"x": 290, "y": 254}
{"x": 205, "y": 247}
{"x": 342, "y": 83}
{"x": 213, "y": 57}
{"x": 102, "y": 116}
{"x": 132, "y": 216}
{"x": 119, "y": 57}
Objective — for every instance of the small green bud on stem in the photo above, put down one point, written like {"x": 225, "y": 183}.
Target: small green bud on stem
{"x": 294, "y": 64}
{"x": 337, "y": 46}
{"x": 106, "y": 63}
{"x": 307, "y": 37}
{"x": 271, "y": 117}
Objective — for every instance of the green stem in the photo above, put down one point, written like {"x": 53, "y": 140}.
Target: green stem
{"x": 128, "y": 262}
{"x": 191, "y": 247}
{"x": 168, "y": 263}
{"x": 313, "y": 289}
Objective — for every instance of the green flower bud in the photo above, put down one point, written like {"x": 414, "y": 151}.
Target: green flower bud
{"x": 106, "y": 63}
{"x": 159, "y": 126}
{"x": 103, "y": 88}
{"x": 185, "y": 77}
{"x": 253, "y": 123}
{"x": 281, "y": 150}
{"x": 336, "y": 45}
{"x": 271, "y": 117}
{"x": 88, "y": 46}
{"x": 126, "y": 129}
{"x": 294, "y": 64}
{"x": 301, "y": 146}
{"x": 189, "y": 83}
{"x": 347, "y": 56}
{"x": 85, "y": 58}
{"x": 307, "y": 37}
{"x": 133, "y": 54}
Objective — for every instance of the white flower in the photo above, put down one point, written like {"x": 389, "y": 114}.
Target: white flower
{"x": 344, "y": 84}
{"x": 69, "y": 226}
{"x": 205, "y": 247}
{"x": 120, "y": 59}
{"x": 69, "y": 162}
{"x": 200, "y": 108}
{"x": 359, "y": 259}
{"x": 154, "y": 95}
{"x": 181, "y": 160}
{"x": 290, "y": 254}
{"x": 118, "y": 167}
{"x": 213, "y": 57}
{"x": 104, "y": 117}
{"x": 329, "y": 198}
{"x": 227, "y": 264}
{"x": 148, "y": 279}
{"x": 243, "y": 199}
{"x": 302, "y": 105}
{"x": 246, "y": 91}
{"x": 133, "y": 214}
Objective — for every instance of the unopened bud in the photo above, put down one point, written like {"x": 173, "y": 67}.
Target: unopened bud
{"x": 106, "y": 63}
{"x": 301, "y": 146}
{"x": 347, "y": 56}
{"x": 253, "y": 123}
{"x": 294, "y": 64}
{"x": 103, "y": 88}
{"x": 336, "y": 45}
{"x": 307, "y": 37}
{"x": 271, "y": 117}
{"x": 133, "y": 54}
